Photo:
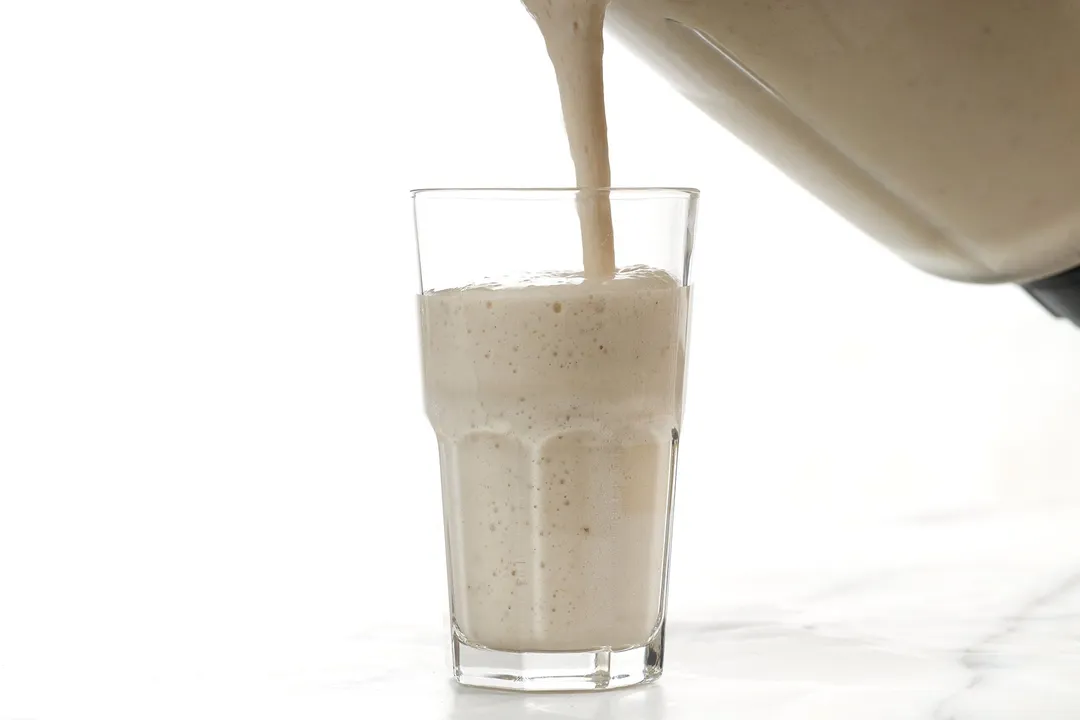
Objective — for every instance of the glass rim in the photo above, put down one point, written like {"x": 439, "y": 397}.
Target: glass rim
{"x": 494, "y": 193}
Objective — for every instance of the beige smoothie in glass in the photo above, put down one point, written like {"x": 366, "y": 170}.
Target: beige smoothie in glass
{"x": 554, "y": 358}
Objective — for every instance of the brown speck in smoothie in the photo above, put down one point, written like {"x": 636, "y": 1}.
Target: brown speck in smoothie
{"x": 488, "y": 304}
{"x": 557, "y": 307}
{"x": 567, "y": 503}
{"x": 514, "y": 572}
{"x": 491, "y": 527}
{"x": 585, "y": 529}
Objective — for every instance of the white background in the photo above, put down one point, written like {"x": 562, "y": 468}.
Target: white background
{"x": 213, "y": 455}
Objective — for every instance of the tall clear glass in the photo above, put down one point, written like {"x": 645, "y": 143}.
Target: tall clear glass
{"x": 557, "y": 401}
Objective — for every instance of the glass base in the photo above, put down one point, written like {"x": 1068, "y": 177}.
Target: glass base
{"x": 558, "y": 671}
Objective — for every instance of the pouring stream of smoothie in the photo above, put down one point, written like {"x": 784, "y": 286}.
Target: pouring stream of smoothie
{"x": 573, "y": 34}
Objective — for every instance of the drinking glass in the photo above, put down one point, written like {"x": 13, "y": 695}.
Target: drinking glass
{"x": 557, "y": 399}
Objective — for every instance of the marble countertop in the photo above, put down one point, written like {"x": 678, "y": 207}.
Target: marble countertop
{"x": 964, "y": 615}
{"x": 955, "y": 616}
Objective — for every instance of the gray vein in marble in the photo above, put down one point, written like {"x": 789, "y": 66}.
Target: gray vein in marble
{"x": 984, "y": 656}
